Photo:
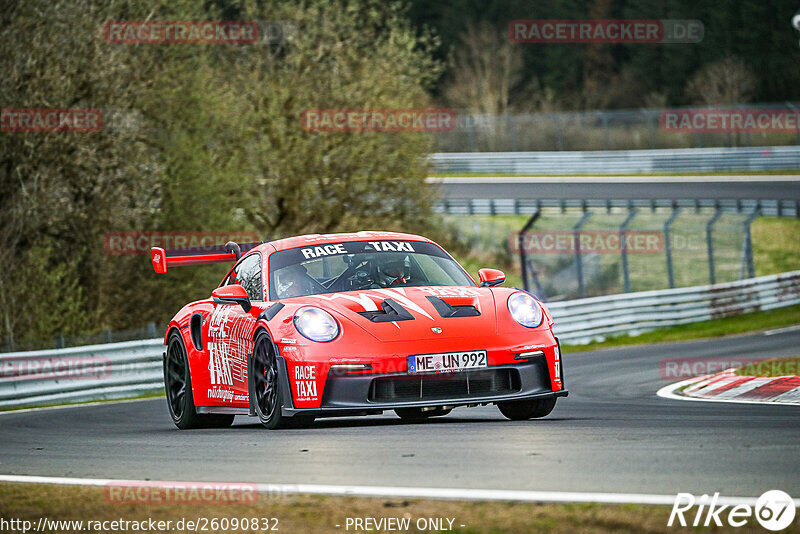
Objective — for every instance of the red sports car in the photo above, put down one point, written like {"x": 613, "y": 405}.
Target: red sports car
{"x": 355, "y": 324}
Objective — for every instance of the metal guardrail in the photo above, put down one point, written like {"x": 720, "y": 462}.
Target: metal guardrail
{"x": 80, "y": 374}
{"x": 118, "y": 370}
{"x": 517, "y": 206}
{"x": 621, "y": 161}
{"x": 584, "y": 320}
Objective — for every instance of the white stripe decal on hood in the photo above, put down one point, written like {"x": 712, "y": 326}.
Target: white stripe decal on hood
{"x": 402, "y": 299}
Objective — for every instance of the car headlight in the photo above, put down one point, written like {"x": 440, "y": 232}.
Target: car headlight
{"x": 525, "y": 310}
{"x": 316, "y": 324}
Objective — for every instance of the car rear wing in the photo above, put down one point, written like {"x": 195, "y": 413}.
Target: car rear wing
{"x": 161, "y": 259}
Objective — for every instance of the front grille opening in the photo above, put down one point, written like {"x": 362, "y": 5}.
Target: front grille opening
{"x": 463, "y": 385}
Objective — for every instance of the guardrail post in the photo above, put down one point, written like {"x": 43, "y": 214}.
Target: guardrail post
{"x": 747, "y": 246}
{"x": 576, "y": 237}
{"x": 710, "y": 244}
{"x": 622, "y": 230}
{"x": 668, "y": 243}
{"x": 151, "y": 329}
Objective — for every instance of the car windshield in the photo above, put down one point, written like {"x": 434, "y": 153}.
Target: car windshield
{"x": 359, "y": 265}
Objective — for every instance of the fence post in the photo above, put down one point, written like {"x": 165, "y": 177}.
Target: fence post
{"x": 710, "y": 244}
{"x": 577, "y": 244}
{"x": 606, "y": 137}
{"x": 622, "y": 229}
{"x": 668, "y": 243}
{"x": 473, "y": 145}
{"x": 747, "y": 253}
{"x": 523, "y": 258}
{"x": 559, "y": 133}
{"x": 651, "y": 129}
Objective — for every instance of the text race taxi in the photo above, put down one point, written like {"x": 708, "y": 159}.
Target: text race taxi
{"x": 354, "y": 324}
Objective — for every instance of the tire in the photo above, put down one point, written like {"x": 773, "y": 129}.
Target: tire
{"x": 417, "y": 414}
{"x": 178, "y": 386}
{"x": 530, "y": 409}
{"x": 266, "y": 385}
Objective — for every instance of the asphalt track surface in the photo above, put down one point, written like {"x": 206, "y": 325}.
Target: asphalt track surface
{"x": 612, "y": 434}
{"x": 622, "y": 188}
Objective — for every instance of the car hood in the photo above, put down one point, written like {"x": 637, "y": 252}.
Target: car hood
{"x": 429, "y": 311}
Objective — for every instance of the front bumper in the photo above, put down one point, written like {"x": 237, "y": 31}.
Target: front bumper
{"x": 362, "y": 394}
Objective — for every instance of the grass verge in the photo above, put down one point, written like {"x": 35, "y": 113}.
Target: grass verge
{"x": 319, "y": 514}
{"x": 103, "y": 401}
{"x": 776, "y": 245}
{"x": 727, "y": 326}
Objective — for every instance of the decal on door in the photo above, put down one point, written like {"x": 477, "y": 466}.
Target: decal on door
{"x": 219, "y": 347}
{"x": 226, "y": 347}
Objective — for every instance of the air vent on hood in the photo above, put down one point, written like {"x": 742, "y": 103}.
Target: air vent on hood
{"x": 446, "y": 310}
{"x": 390, "y": 311}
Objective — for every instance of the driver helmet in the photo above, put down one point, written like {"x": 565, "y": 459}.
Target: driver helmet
{"x": 292, "y": 281}
{"x": 396, "y": 268}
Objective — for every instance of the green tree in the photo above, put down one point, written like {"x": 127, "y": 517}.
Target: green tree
{"x": 216, "y": 145}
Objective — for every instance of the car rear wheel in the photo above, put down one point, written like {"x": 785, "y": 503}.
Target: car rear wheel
{"x": 418, "y": 414}
{"x": 530, "y": 409}
{"x": 178, "y": 386}
{"x": 266, "y": 388}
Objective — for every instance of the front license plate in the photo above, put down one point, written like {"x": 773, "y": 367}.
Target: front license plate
{"x": 447, "y": 362}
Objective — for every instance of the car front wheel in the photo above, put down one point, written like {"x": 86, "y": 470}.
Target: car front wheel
{"x": 266, "y": 388}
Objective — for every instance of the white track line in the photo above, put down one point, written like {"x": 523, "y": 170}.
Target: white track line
{"x": 401, "y": 492}
{"x": 609, "y": 179}
{"x": 782, "y": 330}
{"x": 668, "y": 392}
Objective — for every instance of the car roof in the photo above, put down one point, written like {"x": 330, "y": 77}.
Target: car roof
{"x": 324, "y": 239}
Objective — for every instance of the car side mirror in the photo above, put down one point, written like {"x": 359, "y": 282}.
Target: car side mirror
{"x": 232, "y": 294}
{"x": 491, "y": 277}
